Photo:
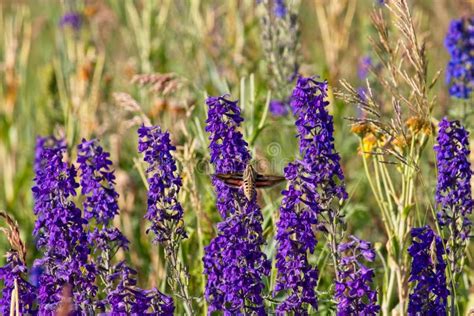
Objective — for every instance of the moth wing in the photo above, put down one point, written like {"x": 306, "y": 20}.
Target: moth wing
{"x": 263, "y": 181}
{"x": 233, "y": 180}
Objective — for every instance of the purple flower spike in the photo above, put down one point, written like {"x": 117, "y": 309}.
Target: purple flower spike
{"x": 233, "y": 261}
{"x": 228, "y": 149}
{"x": 59, "y": 230}
{"x": 314, "y": 181}
{"x": 453, "y": 191}
{"x": 429, "y": 295}
{"x": 460, "y": 70}
{"x": 13, "y": 271}
{"x": 164, "y": 210}
{"x": 354, "y": 294}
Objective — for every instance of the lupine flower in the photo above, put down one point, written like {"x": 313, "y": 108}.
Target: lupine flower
{"x": 314, "y": 181}
{"x": 227, "y": 147}
{"x": 460, "y": 70}
{"x": 71, "y": 19}
{"x": 164, "y": 210}
{"x": 429, "y": 295}
{"x": 453, "y": 191}
{"x": 12, "y": 272}
{"x": 354, "y": 294}
{"x": 233, "y": 261}
{"x": 59, "y": 231}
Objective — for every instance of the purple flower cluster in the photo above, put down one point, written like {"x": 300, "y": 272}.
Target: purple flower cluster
{"x": 233, "y": 261}
{"x": 235, "y": 265}
{"x": 164, "y": 210}
{"x": 278, "y": 108}
{"x": 314, "y": 181}
{"x": 78, "y": 251}
{"x": 279, "y": 8}
{"x": 97, "y": 181}
{"x": 13, "y": 272}
{"x": 460, "y": 70}
{"x": 365, "y": 64}
{"x": 429, "y": 295}
{"x": 353, "y": 290}
{"x": 127, "y": 298}
{"x": 316, "y": 142}
{"x": 71, "y": 19}
{"x": 453, "y": 191}
{"x": 228, "y": 149}
{"x": 59, "y": 230}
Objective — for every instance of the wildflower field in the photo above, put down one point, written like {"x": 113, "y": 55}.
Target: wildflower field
{"x": 240, "y": 157}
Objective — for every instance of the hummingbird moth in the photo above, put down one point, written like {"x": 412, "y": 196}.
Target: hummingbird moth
{"x": 249, "y": 180}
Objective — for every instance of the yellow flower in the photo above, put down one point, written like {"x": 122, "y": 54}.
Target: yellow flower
{"x": 368, "y": 144}
{"x": 418, "y": 124}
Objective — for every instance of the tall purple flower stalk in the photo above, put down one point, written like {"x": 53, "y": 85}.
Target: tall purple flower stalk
{"x": 429, "y": 294}
{"x": 97, "y": 181}
{"x": 314, "y": 181}
{"x": 354, "y": 294}
{"x": 165, "y": 212}
{"x": 13, "y": 272}
{"x": 233, "y": 261}
{"x": 460, "y": 45}
{"x": 59, "y": 230}
{"x": 453, "y": 191}
{"x": 228, "y": 149}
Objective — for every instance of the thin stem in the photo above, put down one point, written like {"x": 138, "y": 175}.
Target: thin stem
{"x": 171, "y": 250}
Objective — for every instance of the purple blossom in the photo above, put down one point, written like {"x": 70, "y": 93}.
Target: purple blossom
{"x": 233, "y": 261}
{"x": 59, "y": 231}
{"x": 164, "y": 210}
{"x": 354, "y": 294}
{"x": 127, "y": 298}
{"x": 227, "y": 147}
{"x": 14, "y": 271}
{"x": 72, "y": 19}
{"x": 316, "y": 141}
{"x": 279, "y": 8}
{"x": 278, "y": 108}
{"x": 314, "y": 181}
{"x": 453, "y": 191}
{"x": 460, "y": 69}
{"x": 429, "y": 295}
{"x": 97, "y": 181}
{"x": 235, "y": 265}
{"x": 365, "y": 64}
